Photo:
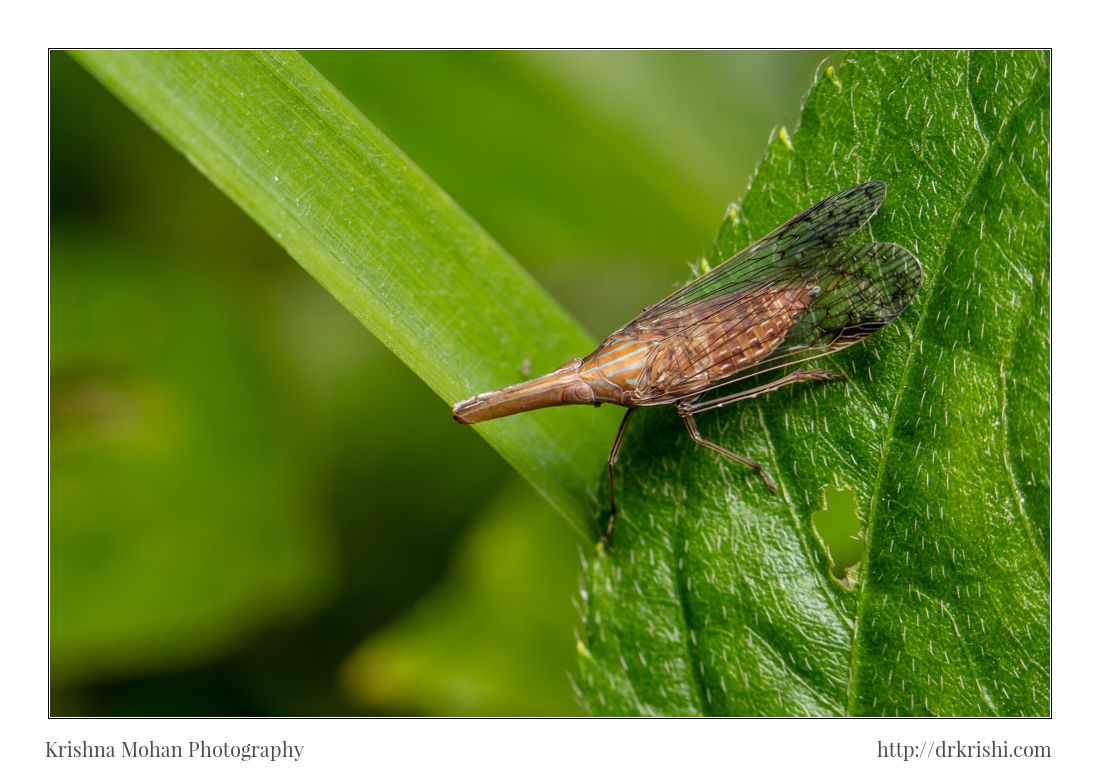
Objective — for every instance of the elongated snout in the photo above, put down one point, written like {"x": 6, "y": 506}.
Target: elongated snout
{"x": 563, "y": 386}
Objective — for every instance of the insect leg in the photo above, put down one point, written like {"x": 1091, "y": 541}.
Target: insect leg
{"x": 800, "y": 376}
{"x": 611, "y": 460}
{"x": 686, "y": 411}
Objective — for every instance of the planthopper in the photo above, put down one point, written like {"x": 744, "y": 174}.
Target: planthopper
{"x": 789, "y": 298}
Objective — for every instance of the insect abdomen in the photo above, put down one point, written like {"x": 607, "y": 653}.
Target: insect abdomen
{"x": 722, "y": 343}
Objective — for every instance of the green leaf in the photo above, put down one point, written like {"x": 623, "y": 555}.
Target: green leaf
{"x": 717, "y": 597}
{"x": 375, "y": 231}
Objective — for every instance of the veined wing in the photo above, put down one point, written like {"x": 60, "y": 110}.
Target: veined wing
{"x": 863, "y": 288}
{"x": 788, "y": 253}
{"x": 853, "y": 292}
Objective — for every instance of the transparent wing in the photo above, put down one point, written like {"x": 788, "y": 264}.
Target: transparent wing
{"x": 863, "y": 288}
{"x": 857, "y": 290}
{"x": 787, "y": 254}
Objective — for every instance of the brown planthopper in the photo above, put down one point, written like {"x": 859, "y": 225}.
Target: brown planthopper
{"x": 791, "y": 297}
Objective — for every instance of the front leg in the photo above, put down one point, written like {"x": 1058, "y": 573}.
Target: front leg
{"x": 611, "y": 461}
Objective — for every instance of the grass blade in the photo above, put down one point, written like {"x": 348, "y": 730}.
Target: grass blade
{"x": 376, "y": 232}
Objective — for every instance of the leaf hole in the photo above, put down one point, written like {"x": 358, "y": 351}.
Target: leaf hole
{"x": 839, "y": 529}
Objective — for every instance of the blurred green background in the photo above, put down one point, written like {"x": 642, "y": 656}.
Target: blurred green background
{"x": 255, "y": 508}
